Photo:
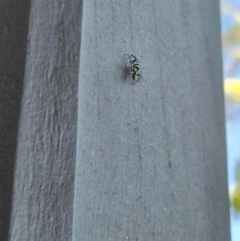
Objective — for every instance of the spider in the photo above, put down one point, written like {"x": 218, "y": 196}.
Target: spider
{"x": 134, "y": 68}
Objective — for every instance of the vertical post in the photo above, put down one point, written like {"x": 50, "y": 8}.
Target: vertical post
{"x": 45, "y": 160}
{"x": 151, "y": 158}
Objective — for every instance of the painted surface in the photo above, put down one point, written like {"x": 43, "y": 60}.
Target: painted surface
{"x": 151, "y": 159}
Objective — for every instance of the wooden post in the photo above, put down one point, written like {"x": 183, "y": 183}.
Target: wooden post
{"x": 46, "y": 150}
{"x": 151, "y": 158}
{"x": 97, "y": 158}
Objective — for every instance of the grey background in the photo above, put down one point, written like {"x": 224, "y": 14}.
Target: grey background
{"x": 87, "y": 155}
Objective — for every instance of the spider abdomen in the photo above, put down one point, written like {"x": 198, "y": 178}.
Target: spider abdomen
{"x": 136, "y": 67}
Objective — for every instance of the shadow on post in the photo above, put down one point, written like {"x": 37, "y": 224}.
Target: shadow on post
{"x": 14, "y": 16}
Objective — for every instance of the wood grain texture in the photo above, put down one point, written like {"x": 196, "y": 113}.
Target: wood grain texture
{"x": 45, "y": 160}
{"x": 13, "y": 40}
{"x": 151, "y": 157}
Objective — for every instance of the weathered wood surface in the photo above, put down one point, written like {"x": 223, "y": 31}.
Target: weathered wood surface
{"x": 46, "y": 152}
{"x": 151, "y": 159}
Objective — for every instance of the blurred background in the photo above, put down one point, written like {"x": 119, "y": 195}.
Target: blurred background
{"x": 230, "y": 23}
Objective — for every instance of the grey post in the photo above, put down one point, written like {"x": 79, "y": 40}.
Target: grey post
{"x": 88, "y": 155}
{"x": 46, "y": 142}
{"x": 151, "y": 158}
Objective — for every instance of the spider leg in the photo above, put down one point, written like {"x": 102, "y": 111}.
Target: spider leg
{"x": 130, "y": 59}
{"x": 134, "y": 58}
{"x": 138, "y": 78}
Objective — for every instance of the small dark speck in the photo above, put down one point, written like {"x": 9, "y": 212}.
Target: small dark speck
{"x": 169, "y": 164}
{"x": 136, "y": 129}
{"x": 139, "y": 198}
